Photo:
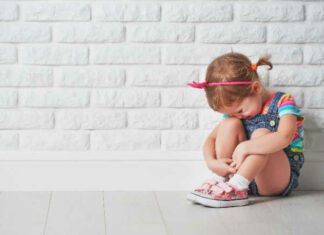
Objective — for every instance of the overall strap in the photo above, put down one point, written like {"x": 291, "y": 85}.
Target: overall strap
{"x": 274, "y": 103}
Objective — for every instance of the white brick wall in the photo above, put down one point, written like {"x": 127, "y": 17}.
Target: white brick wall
{"x": 110, "y": 75}
{"x": 106, "y": 80}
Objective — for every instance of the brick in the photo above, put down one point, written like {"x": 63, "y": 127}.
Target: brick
{"x": 126, "y": 98}
{"x": 191, "y": 140}
{"x": 280, "y": 54}
{"x": 125, "y": 54}
{"x": 197, "y": 12}
{"x": 54, "y": 140}
{"x": 25, "y": 76}
{"x": 264, "y": 74}
{"x": 24, "y": 32}
{"x": 54, "y": 55}
{"x": 8, "y": 140}
{"x": 160, "y": 33}
{"x": 85, "y": 32}
{"x": 26, "y": 119}
{"x": 314, "y": 119}
{"x": 90, "y": 77}
{"x": 162, "y": 119}
{"x": 160, "y": 76}
{"x": 8, "y": 12}
{"x": 315, "y": 12}
{"x": 8, "y": 54}
{"x": 8, "y": 97}
{"x": 125, "y": 140}
{"x": 192, "y": 54}
{"x": 314, "y": 97}
{"x": 49, "y": 11}
{"x": 56, "y": 97}
{"x": 271, "y": 12}
{"x": 229, "y": 33}
{"x": 297, "y": 76}
{"x": 314, "y": 140}
{"x": 314, "y": 54}
{"x": 90, "y": 119}
{"x": 209, "y": 119}
{"x": 186, "y": 97}
{"x": 126, "y": 12}
{"x": 296, "y": 33}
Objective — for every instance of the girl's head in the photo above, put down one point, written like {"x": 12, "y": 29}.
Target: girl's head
{"x": 242, "y": 101}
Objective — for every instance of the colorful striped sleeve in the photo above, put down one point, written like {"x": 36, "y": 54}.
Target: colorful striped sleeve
{"x": 287, "y": 105}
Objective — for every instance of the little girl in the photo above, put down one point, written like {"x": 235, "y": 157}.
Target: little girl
{"x": 258, "y": 147}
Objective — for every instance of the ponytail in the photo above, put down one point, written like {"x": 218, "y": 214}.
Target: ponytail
{"x": 265, "y": 60}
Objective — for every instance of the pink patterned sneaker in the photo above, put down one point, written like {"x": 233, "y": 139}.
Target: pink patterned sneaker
{"x": 203, "y": 190}
{"x": 224, "y": 195}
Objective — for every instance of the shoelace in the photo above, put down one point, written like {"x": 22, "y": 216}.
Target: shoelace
{"x": 220, "y": 188}
{"x": 208, "y": 184}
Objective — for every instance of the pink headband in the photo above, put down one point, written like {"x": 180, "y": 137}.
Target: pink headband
{"x": 206, "y": 84}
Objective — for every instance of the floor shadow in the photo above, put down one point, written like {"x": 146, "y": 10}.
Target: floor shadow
{"x": 294, "y": 194}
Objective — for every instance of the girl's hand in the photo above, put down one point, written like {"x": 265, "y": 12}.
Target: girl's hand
{"x": 221, "y": 166}
{"x": 239, "y": 155}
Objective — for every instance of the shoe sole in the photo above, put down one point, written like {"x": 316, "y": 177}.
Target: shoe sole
{"x": 192, "y": 197}
{"x": 216, "y": 203}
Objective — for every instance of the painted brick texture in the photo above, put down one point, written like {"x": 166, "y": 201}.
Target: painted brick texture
{"x": 111, "y": 76}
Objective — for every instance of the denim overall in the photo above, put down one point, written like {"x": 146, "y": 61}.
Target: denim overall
{"x": 270, "y": 121}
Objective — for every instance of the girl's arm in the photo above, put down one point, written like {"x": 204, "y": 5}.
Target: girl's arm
{"x": 274, "y": 141}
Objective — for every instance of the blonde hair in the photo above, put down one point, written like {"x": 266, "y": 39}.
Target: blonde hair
{"x": 229, "y": 67}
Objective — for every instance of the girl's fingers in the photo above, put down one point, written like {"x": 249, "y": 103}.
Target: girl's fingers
{"x": 232, "y": 170}
{"x": 233, "y": 164}
{"x": 237, "y": 167}
{"x": 227, "y": 160}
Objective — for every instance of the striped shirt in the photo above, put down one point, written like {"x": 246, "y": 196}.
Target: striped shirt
{"x": 287, "y": 105}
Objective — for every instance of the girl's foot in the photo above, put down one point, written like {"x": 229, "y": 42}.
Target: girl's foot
{"x": 224, "y": 195}
{"x": 203, "y": 189}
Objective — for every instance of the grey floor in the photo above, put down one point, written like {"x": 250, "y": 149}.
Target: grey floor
{"x": 154, "y": 213}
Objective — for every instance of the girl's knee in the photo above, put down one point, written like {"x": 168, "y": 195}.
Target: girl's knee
{"x": 233, "y": 126}
{"x": 231, "y": 123}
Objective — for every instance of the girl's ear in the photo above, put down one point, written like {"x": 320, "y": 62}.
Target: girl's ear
{"x": 256, "y": 87}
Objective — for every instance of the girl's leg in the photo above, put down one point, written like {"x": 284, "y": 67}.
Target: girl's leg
{"x": 229, "y": 134}
{"x": 271, "y": 172}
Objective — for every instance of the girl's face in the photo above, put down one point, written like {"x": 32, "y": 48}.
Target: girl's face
{"x": 248, "y": 108}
